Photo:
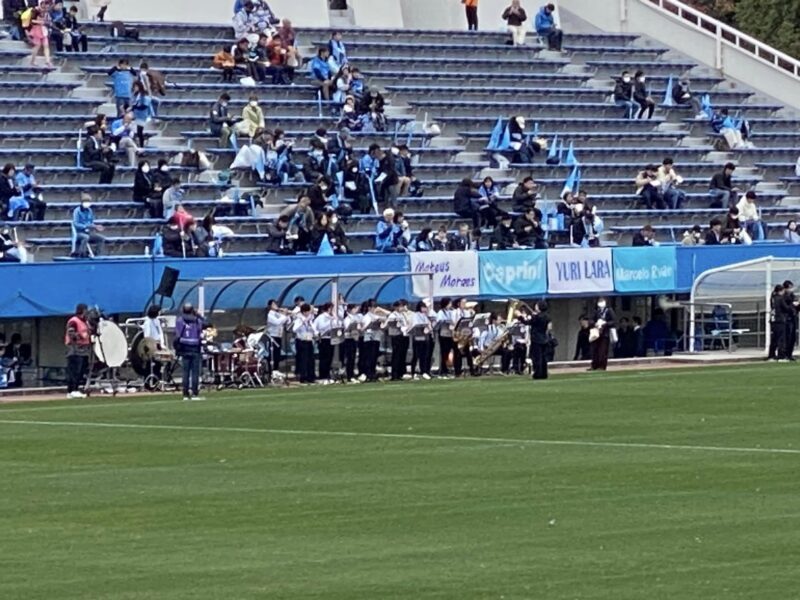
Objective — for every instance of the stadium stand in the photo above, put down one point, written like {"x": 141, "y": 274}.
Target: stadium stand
{"x": 462, "y": 83}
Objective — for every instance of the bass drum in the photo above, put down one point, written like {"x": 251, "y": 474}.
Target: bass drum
{"x": 111, "y": 346}
{"x": 137, "y": 356}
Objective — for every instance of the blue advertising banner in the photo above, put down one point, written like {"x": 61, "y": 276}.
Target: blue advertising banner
{"x": 513, "y": 273}
{"x": 645, "y": 269}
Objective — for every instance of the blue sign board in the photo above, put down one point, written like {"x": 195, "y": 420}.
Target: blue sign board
{"x": 646, "y": 270}
{"x": 513, "y": 273}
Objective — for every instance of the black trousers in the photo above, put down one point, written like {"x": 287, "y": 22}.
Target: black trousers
{"x": 600, "y": 353}
{"x": 276, "y": 349}
{"x": 777, "y": 342}
{"x": 539, "y": 358}
{"x": 77, "y": 366}
{"x": 348, "y": 357}
{"x": 445, "y": 347}
{"x": 421, "y": 354}
{"x": 458, "y": 361}
{"x": 325, "y": 349}
{"x": 304, "y": 361}
{"x": 399, "y": 356}
{"x": 646, "y": 107}
{"x": 519, "y": 353}
{"x": 472, "y": 18}
{"x": 791, "y": 337}
{"x": 37, "y": 209}
{"x": 105, "y": 169}
{"x": 371, "y": 351}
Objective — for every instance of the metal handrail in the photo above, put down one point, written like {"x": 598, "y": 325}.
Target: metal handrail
{"x": 730, "y": 36}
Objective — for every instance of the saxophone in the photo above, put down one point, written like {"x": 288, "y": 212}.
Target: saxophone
{"x": 501, "y": 339}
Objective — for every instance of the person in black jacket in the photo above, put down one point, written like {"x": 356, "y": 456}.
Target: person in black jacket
{"x": 466, "y": 202}
{"x": 791, "y": 322}
{"x": 780, "y": 311}
{"x": 540, "y": 328}
{"x": 525, "y": 194}
{"x": 682, "y": 95}
{"x": 604, "y": 321}
{"x": 220, "y": 123}
{"x": 642, "y": 98}
{"x": 515, "y": 16}
{"x": 278, "y": 239}
{"x": 98, "y": 156}
{"x": 714, "y": 236}
{"x": 623, "y": 94}
{"x": 721, "y": 189}
{"x": 528, "y": 229}
{"x": 8, "y": 190}
{"x": 583, "y": 348}
{"x": 646, "y": 236}
{"x": 174, "y": 241}
{"x": 144, "y": 191}
{"x": 503, "y": 235}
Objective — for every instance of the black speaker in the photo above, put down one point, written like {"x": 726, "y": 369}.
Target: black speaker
{"x": 169, "y": 278}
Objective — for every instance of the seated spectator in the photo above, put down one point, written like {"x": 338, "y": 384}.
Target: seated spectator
{"x": 623, "y": 94}
{"x": 123, "y": 133}
{"x": 670, "y": 180}
{"x": 503, "y": 237}
{"x": 528, "y": 230}
{"x": 749, "y": 216}
{"x": 9, "y": 247}
{"x": 337, "y": 51}
{"x": 648, "y": 188}
{"x": 173, "y": 197}
{"x": 372, "y": 109}
{"x": 515, "y": 16}
{"x": 440, "y": 241}
{"x": 646, "y": 236}
{"x": 181, "y": 217}
{"x": 220, "y": 123}
{"x": 316, "y": 163}
{"x": 224, "y": 61}
{"x": 790, "y": 234}
{"x": 321, "y": 74}
{"x": 327, "y": 224}
{"x": 722, "y": 191}
{"x": 682, "y": 96}
{"x": 245, "y": 21}
{"x": 735, "y": 131}
{"x": 287, "y": 34}
{"x": 693, "y": 237}
{"x": 175, "y": 240}
{"x": 461, "y": 241}
{"x": 340, "y": 148}
{"x": 279, "y": 241}
{"x": 246, "y": 58}
{"x": 284, "y": 59}
{"x": 350, "y": 119}
{"x": 546, "y": 27}
{"x": 387, "y": 182}
{"x": 122, "y": 78}
{"x": 98, "y": 155}
{"x": 389, "y": 236}
{"x": 144, "y": 191}
{"x": 466, "y": 202}
{"x": 252, "y": 117}
{"x": 67, "y": 32}
{"x": 714, "y": 236}
{"x": 403, "y": 177}
{"x": 487, "y": 205}
{"x": 642, "y": 96}
{"x": 525, "y": 194}
{"x": 301, "y": 220}
{"x": 524, "y": 150}
{"x": 12, "y": 199}
{"x": 321, "y": 193}
{"x": 587, "y": 229}
{"x": 423, "y": 242}
{"x": 162, "y": 178}
{"x": 26, "y": 182}
{"x": 85, "y": 230}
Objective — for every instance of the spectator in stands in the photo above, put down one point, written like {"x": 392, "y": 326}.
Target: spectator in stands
{"x": 646, "y": 236}
{"x": 670, "y": 180}
{"x": 439, "y": 239}
{"x": 328, "y": 224}
{"x": 722, "y": 191}
{"x": 245, "y": 21}
{"x": 389, "y": 234}
{"x": 623, "y": 94}
{"x": 403, "y": 177}
{"x": 340, "y": 148}
{"x": 252, "y": 117}
{"x": 284, "y": 58}
{"x": 162, "y": 178}
{"x": 693, "y": 237}
{"x": 790, "y": 234}
{"x": 9, "y": 247}
{"x": 301, "y": 220}
{"x": 220, "y": 122}
{"x": 682, "y": 95}
{"x": 342, "y": 84}
{"x": 287, "y": 34}
{"x": 101, "y": 13}
{"x": 144, "y": 191}
{"x": 503, "y": 235}
{"x": 279, "y": 241}
{"x": 350, "y": 118}
{"x": 142, "y": 107}
{"x": 246, "y": 60}
{"x": 12, "y": 200}
{"x": 524, "y": 150}
{"x": 471, "y": 8}
{"x": 26, "y": 182}
{"x": 224, "y": 61}
{"x": 546, "y": 28}
{"x": 466, "y": 202}
{"x": 749, "y": 216}
{"x": 525, "y": 194}
{"x": 461, "y": 240}
{"x": 337, "y": 51}
{"x": 528, "y": 230}
{"x": 122, "y": 78}
{"x": 174, "y": 240}
{"x": 587, "y": 229}
{"x": 387, "y": 182}
{"x": 67, "y": 32}
{"x": 714, "y": 235}
{"x": 39, "y": 36}
{"x": 173, "y": 197}
{"x": 99, "y": 155}
{"x": 85, "y": 229}
{"x": 487, "y": 205}
{"x": 648, "y": 188}
{"x": 642, "y": 97}
{"x": 316, "y": 162}
{"x": 423, "y": 242}
{"x": 373, "y": 105}
{"x": 182, "y": 217}
{"x": 415, "y": 189}
{"x": 321, "y": 74}
{"x": 731, "y": 220}
{"x": 123, "y": 131}
{"x": 515, "y": 18}
{"x": 735, "y": 131}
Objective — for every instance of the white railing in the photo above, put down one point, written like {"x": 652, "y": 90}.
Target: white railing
{"x": 727, "y": 35}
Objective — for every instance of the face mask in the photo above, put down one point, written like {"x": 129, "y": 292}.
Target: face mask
{"x": 223, "y": 104}
{"x": 324, "y": 188}
{"x": 641, "y": 79}
{"x": 254, "y": 104}
{"x": 792, "y": 227}
{"x": 395, "y": 151}
{"x": 334, "y": 219}
{"x": 601, "y": 304}
{"x": 146, "y": 169}
{"x": 164, "y": 168}
{"x": 626, "y": 79}
{"x": 85, "y": 205}
{"x": 317, "y": 154}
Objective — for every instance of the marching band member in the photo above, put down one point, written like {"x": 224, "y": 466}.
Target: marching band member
{"x": 398, "y": 326}
{"x": 488, "y": 337}
{"x": 372, "y": 323}
{"x": 324, "y": 325}
{"x": 445, "y": 326}
{"x": 459, "y": 313}
{"x": 303, "y": 328}
{"x": 152, "y": 330}
{"x": 422, "y": 344}
{"x": 299, "y": 301}
{"x": 352, "y": 334}
{"x": 540, "y": 328}
{"x": 519, "y": 345}
{"x": 277, "y": 323}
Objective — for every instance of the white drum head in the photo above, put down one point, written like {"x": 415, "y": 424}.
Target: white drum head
{"x": 111, "y": 346}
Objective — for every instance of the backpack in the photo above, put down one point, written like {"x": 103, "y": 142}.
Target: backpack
{"x": 25, "y": 18}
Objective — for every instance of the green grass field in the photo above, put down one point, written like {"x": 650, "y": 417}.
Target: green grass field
{"x": 673, "y": 484}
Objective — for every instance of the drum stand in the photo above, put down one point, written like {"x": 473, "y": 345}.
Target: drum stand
{"x": 98, "y": 382}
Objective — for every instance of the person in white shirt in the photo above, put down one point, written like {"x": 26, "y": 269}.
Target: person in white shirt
{"x": 398, "y": 326}
{"x": 488, "y": 337}
{"x": 153, "y": 331}
{"x": 460, "y": 313}
{"x": 277, "y": 323}
{"x": 670, "y": 180}
{"x": 422, "y": 343}
{"x": 373, "y": 333}
{"x": 445, "y": 327}
{"x": 349, "y": 349}
{"x": 324, "y": 325}
{"x": 303, "y": 328}
{"x": 749, "y": 216}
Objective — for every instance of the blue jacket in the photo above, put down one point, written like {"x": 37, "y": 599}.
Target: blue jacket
{"x": 386, "y": 236}
{"x": 142, "y": 107}
{"x": 122, "y": 81}
{"x": 82, "y": 219}
{"x": 368, "y": 165}
{"x": 545, "y": 23}
{"x": 320, "y": 69}
{"x": 25, "y": 183}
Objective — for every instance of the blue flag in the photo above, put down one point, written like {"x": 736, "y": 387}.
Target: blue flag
{"x": 668, "y": 101}
{"x": 570, "y": 159}
{"x": 572, "y": 182}
{"x": 553, "y": 153}
{"x": 325, "y": 248}
{"x": 497, "y": 132}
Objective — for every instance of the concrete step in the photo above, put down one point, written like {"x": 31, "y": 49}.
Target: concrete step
{"x": 469, "y": 157}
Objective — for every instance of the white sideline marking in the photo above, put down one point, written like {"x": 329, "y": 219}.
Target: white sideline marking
{"x": 405, "y": 436}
